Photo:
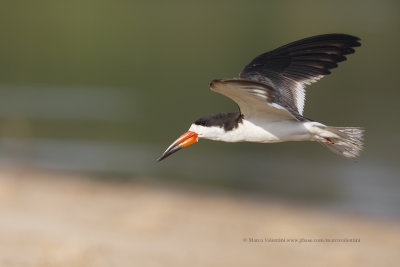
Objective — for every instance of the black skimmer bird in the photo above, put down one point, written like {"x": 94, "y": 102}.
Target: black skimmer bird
{"x": 270, "y": 95}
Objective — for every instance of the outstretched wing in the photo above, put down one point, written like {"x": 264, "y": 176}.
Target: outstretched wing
{"x": 255, "y": 100}
{"x": 290, "y": 67}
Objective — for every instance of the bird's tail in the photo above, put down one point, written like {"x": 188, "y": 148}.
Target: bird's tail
{"x": 345, "y": 141}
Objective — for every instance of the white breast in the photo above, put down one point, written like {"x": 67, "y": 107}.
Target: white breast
{"x": 257, "y": 131}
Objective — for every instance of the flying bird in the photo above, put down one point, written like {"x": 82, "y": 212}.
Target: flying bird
{"x": 270, "y": 93}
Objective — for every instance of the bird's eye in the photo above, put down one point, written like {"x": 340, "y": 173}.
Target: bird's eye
{"x": 200, "y": 122}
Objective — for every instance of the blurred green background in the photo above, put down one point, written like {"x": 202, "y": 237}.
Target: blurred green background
{"x": 103, "y": 87}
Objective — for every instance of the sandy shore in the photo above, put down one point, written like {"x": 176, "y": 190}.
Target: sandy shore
{"x": 53, "y": 219}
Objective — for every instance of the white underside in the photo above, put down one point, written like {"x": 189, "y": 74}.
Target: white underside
{"x": 257, "y": 130}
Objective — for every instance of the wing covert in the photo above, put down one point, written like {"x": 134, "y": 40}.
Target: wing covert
{"x": 254, "y": 99}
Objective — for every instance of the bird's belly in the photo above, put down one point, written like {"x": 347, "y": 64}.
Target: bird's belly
{"x": 268, "y": 132}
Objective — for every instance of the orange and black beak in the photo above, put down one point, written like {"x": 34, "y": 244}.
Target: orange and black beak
{"x": 185, "y": 140}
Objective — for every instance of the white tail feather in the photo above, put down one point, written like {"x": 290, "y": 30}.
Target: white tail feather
{"x": 348, "y": 143}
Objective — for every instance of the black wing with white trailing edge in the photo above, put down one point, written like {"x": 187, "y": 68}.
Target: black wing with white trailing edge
{"x": 290, "y": 67}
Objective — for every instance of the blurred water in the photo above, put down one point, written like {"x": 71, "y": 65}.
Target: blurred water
{"x": 366, "y": 187}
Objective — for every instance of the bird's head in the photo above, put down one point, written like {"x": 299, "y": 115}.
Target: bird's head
{"x": 212, "y": 127}
{"x": 192, "y": 136}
